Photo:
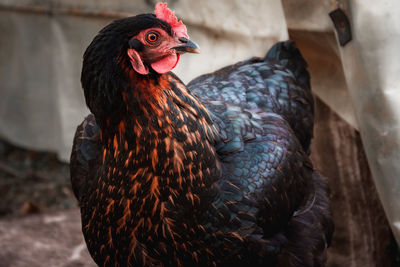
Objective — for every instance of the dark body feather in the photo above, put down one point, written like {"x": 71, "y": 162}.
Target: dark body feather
{"x": 213, "y": 174}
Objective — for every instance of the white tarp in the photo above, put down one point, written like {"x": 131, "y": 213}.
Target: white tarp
{"x": 371, "y": 65}
{"x": 42, "y": 43}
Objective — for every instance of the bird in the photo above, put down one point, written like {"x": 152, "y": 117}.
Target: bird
{"x": 212, "y": 173}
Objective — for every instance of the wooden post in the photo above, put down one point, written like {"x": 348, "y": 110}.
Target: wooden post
{"x": 362, "y": 234}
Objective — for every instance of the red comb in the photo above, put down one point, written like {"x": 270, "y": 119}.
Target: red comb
{"x": 163, "y": 13}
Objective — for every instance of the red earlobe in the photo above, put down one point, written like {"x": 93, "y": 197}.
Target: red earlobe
{"x": 137, "y": 62}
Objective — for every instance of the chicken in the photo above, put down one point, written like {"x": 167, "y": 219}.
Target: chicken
{"x": 215, "y": 173}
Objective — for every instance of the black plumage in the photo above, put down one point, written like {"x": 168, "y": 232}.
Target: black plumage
{"x": 213, "y": 174}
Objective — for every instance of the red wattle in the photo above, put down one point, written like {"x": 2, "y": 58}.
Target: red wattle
{"x": 166, "y": 64}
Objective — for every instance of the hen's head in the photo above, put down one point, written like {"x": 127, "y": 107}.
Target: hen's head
{"x": 149, "y": 41}
{"x": 145, "y": 45}
{"x": 159, "y": 44}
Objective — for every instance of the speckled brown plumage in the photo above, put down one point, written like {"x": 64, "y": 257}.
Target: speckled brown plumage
{"x": 213, "y": 174}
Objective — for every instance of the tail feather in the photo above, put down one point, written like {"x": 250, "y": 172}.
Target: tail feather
{"x": 289, "y": 56}
{"x": 299, "y": 110}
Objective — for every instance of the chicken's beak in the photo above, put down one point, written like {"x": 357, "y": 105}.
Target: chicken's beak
{"x": 187, "y": 46}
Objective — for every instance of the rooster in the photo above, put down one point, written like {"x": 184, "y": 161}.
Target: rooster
{"x": 215, "y": 173}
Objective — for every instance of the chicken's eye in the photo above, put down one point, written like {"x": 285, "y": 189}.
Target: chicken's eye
{"x": 152, "y": 37}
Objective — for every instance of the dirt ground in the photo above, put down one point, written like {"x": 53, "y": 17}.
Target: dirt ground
{"x": 39, "y": 217}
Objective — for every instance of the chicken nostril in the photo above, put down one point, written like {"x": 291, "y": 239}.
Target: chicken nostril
{"x": 183, "y": 40}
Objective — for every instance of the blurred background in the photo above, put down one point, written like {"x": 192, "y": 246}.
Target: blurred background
{"x": 356, "y": 86}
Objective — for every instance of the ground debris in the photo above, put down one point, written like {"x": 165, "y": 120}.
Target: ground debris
{"x": 32, "y": 182}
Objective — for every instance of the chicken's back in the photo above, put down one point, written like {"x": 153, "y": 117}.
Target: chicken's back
{"x": 278, "y": 83}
